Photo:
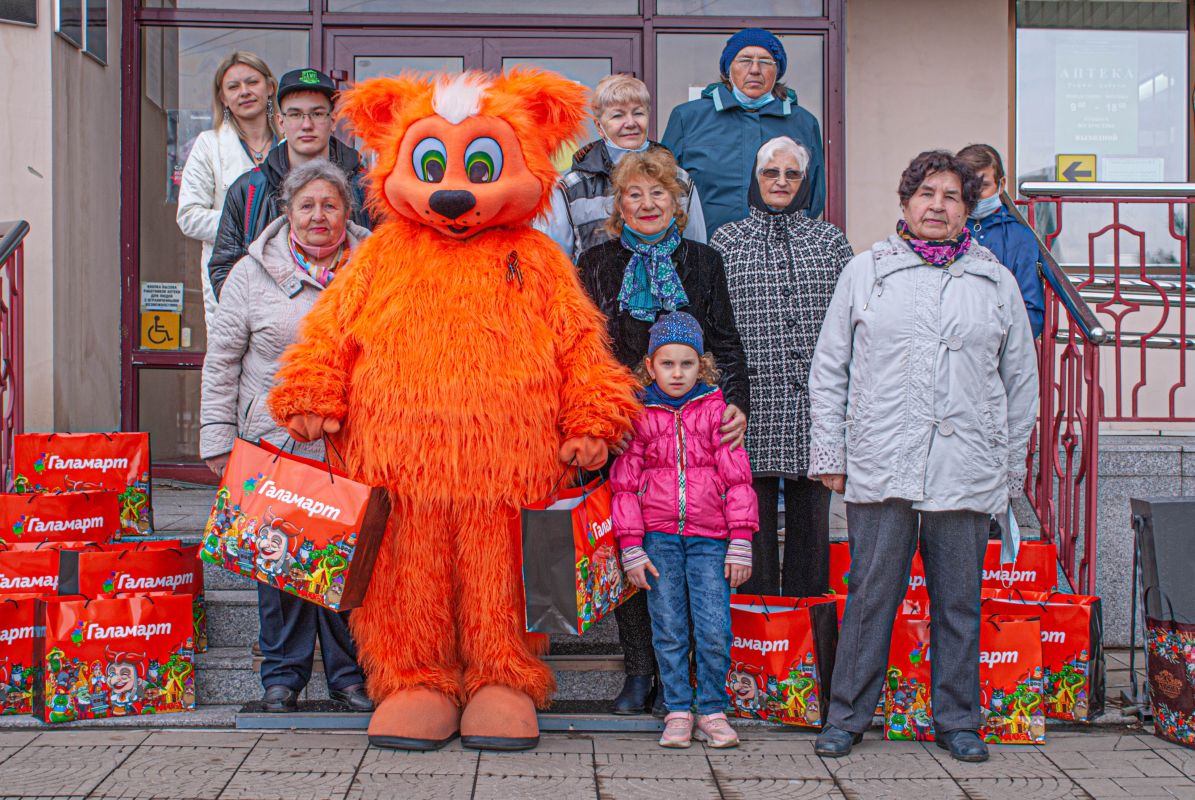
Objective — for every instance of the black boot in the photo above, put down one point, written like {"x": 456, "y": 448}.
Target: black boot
{"x": 636, "y": 696}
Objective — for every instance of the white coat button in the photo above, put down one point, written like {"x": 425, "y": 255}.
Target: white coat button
{"x": 954, "y": 342}
{"x": 956, "y": 270}
{"x": 946, "y": 427}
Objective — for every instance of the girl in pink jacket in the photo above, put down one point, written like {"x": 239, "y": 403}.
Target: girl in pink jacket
{"x": 684, "y": 513}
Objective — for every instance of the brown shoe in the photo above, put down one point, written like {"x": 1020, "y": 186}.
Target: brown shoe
{"x": 415, "y": 719}
{"x": 499, "y": 718}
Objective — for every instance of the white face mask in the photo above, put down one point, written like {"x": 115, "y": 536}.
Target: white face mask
{"x": 986, "y": 207}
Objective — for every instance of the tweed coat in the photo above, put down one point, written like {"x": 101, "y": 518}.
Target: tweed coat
{"x": 781, "y": 270}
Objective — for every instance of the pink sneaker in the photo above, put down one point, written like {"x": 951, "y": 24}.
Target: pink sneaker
{"x": 678, "y": 730}
{"x": 715, "y": 729}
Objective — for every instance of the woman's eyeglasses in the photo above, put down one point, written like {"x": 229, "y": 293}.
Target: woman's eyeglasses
{"x": 764, "y": 63}
{"x": 317, "y": 116}
{"x": 791, "y": 175}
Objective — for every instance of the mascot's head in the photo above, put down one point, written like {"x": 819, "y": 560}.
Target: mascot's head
{"x": 465, "y": 152}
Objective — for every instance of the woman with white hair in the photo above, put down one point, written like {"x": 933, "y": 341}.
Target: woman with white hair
{"x": 583, "y": 200}
{"x": 781, "y": 269}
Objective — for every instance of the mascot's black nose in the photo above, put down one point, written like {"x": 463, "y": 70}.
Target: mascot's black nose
{"x": 453, "y": 203}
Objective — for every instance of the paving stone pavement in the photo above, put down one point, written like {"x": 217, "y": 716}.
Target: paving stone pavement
{"x": 222, "y": 764}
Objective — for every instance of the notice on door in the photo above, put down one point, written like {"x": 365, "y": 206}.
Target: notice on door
{"x": 159, "y": 296}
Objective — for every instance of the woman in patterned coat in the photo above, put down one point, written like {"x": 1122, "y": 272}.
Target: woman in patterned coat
{"x": 781, "y": 269}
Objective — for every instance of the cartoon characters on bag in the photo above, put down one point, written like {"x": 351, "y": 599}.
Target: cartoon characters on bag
{"x": 746, "y": 687}
{"x": 274, "y": 542}
{"x": 16, "y": 688}
{"x": 123, "y": 676}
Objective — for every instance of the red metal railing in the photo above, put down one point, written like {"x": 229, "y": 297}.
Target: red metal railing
{"x": 12, "y": 339}
{"x": 1062, "y": 484}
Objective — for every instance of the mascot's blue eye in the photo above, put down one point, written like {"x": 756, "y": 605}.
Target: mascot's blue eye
{"x": 483, "y": 160}
{"x": 430, "y": 159}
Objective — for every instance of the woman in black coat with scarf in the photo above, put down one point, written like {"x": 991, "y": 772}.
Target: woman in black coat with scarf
{"x": 645, "y": 270}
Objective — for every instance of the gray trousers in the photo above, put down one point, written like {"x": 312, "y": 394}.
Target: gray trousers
{"x": 883, "y": 537}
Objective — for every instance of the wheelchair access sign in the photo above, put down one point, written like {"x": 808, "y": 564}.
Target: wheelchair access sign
{"x": 161, "y": 315}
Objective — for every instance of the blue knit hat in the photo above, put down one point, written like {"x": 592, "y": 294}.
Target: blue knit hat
{"x": 754, "y": 37}
{"x": 675, "y": 328}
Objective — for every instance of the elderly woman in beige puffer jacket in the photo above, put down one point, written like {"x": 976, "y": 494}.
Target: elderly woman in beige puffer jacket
{"x": 263, "y": 302}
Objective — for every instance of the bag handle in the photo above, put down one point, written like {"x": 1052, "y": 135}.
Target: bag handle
{"x": 105, "y": 434}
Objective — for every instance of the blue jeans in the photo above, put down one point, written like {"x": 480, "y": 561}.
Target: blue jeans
{"x": 692, "y": 584}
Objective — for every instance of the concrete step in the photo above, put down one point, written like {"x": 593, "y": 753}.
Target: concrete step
{"x": 231, "y": 617}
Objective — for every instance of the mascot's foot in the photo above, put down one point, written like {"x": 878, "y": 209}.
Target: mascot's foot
{"x": 499, "y": 718}
{"x": 415, "y": 719}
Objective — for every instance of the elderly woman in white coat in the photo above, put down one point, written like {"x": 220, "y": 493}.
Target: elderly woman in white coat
{"x": 923, "y": 395}
{"x": 781, "y": 269}
{"x": 264, "y": 299}
{"x": 242, "y": 133}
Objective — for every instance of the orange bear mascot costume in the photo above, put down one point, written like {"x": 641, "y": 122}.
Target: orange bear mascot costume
{"x": 457, "y": 362}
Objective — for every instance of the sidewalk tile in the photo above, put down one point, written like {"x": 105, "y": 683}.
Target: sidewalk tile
{"x": 1056, "y": 742}
{"x": 779, "y": 788}
{"x": 1022, "y": 788}
{"x": 1113, "y": 764}
{"x": 492, "y": 787}
{"x": 287, "y": 785}
{"x": 655, "y": 789}
{"x": 633, "y": 744}
{"x": 1138, "y": 788}
{"x": 17, "y": 739}
{"x": 407, "y": 762}
{"x": 314, "y": 739}
{"x": 565, "y": 743}
{"x": 742, "y": 766}
{"x": 199, "y": 773}
{"x": 877, "y": 763}
{"x": 271, "y": 758}
{"x": 1180, "y": 757}
{"x": 1005, "y": 762}
{"x": 786, "y": 745}
{"x": 660, "y": 764}
{"x": 536, "y": 765}
{"x": 91, "y": 738}
{"x": 59, "y": 771}
{"x": 181, "y": 738}
{"x": 902, "y": 788}
{"x": 410, "y": 786}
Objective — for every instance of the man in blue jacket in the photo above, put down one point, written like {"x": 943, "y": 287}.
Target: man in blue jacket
{"x": 715, "y": 138}
{"x": 994, "y": 227}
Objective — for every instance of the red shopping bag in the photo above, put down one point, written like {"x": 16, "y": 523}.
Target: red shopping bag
{"x": 572, "y": 572}
{"x": 1010, "y": 679}
{"x": 296, "y": 524}
{"x": 29, "y": 571}
{"x": 108, "y": 573}
{"x": 113, "y": 657}
{"x": 782, "y": 658}
{"x": 48, "y": 462}
{"x": 16, "y": 653}
{"x": 840, "y": 571}
{"x": 1036, "y": 568}
{"x": 1072, "y": 645}
{"x": 63, "y": 516}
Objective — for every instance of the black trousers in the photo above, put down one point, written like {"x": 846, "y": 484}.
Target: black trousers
{"x": 289, "y": 627}
{"x": 806, "y": 539}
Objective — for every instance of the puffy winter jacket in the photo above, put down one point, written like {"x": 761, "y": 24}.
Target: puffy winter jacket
{"x": 677, "y": 476}
{"x": 716, "y": 140}
{"x": 252, "y": 203}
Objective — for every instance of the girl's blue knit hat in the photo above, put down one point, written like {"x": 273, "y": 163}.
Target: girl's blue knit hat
{"x": 675, "y": 328}
{"x": 754, "y": 37}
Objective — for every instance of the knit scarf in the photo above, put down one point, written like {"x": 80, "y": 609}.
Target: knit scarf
{"x": 654, "y": 395}
{"x": 936, "y": 252}
{"x": 650, "y": 283}
{"x": 322, "y": 275}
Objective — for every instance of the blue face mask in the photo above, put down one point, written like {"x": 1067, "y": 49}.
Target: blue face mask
{"x": 747, "y": 102}
{"x": 616, "y": 152}
{"x": 986, "y": 207}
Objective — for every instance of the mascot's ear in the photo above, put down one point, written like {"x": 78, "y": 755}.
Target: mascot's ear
{"x": 374, "y": 108}
{"x": 557, "y": 105}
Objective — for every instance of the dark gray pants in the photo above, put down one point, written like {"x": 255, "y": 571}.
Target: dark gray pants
{"x": 289, "y": 627}
{"x": 883, "y": 537}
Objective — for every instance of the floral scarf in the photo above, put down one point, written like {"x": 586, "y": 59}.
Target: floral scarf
{"x": 650, "y": 283}
{"x": 937, "y": 253}
{"x": 322, "y": 275}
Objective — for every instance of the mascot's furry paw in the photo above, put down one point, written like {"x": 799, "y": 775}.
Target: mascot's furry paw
{"x": 415, "y": 719}
{"x": 591, "y": 453}
{"x": 499, "y": 718}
